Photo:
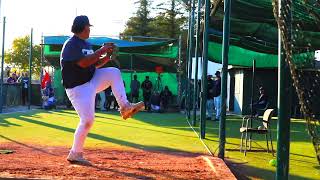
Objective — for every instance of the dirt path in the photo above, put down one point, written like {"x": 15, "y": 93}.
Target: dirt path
{"x": 31, "y": 161}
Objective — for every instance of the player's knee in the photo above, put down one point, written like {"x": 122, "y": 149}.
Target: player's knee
{"x": 88, "y": 124}
{"x": 116, "y": 71}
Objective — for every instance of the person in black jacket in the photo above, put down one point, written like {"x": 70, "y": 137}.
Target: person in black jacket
{"x": 217, "y": 95}
{"x": 210, "y": 97}
{"x": 261, "y": 103}
{"x": 166, "y": 96}
{"x": 146, "y": 89}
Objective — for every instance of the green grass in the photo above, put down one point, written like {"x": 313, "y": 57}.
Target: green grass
{"x": 303, "y": 163}
{"x": 146, "y": 131}
{"x": 160, "y": 132}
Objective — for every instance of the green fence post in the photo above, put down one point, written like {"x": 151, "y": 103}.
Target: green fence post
{"x": 195, "y": 87}
{"x": 190, "y": 49}
{"x": 191, "y": 36}
{"x": 2, "y": 63}
{"x": 225, "y": 51}
{"x": 30, "y": 68}
{"x": 284, "y": 104}
{"x": 179, "y": 94}
{"x": 204, "y": 82}
{"x": 187, "y": 93}
{"x": 41, "y": 65}
{"x": 252, "y": 84}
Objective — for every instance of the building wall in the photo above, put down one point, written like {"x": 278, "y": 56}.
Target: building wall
{"x": 238, "y": 91}
{"x": 243, "y": 88}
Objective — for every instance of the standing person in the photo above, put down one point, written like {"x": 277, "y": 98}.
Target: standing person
{"x": 210, "y": 97}
{"x": 109, "y": 98}
{"x": 83, "y": 77}
{"x": 217, "y": 95}
{"x": 102, "y": 101}
{"x": 166, "y": 96}
{"x": 146, "y": 89}
{"x": 135, "y": 86}
{"x": 24, "y": 83}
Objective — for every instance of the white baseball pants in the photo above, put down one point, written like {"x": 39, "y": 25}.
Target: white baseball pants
{"x": 83, "y": 100}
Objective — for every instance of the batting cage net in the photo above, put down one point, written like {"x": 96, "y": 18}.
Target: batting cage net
{"x": 299, "y": 27}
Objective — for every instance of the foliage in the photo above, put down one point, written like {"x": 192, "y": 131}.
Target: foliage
{"x": 18, "y": 55}
{"x": 170, "y": 22}
{"x": 140, "y": 23}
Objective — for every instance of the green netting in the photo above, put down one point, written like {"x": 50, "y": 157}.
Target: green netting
{"x": 167, "y": 79}
{"x": 265, "y": 32}
{"x": 170, "y": 52}
{"x": 139, "y": 58}
{"x": 58, "y": 88}
{"x": 161, "y": 50}
{"x": 243, "y": 57}
{"x": 254, "y": 33}
{"x": 138, "y": 63}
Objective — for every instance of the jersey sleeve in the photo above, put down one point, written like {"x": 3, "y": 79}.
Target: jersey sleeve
{"x": 71, "y": 52}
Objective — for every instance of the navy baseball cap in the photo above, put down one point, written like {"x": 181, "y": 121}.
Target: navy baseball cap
{"x": 81, "y": 21}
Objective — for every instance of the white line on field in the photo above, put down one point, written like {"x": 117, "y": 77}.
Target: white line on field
{"x": 210, "y": 164}
{"x": 200, "y": 139}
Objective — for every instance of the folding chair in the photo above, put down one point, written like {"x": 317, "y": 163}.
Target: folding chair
{"x": 247, "y": 130}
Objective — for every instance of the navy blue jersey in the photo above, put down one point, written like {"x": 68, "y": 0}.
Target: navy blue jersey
{"x": 72, "y": 74}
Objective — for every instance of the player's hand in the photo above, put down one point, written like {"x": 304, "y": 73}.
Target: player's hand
{"x": 104, "y": 59}
{"x": 110, "y": 46}
{"x": 107, "y": 48}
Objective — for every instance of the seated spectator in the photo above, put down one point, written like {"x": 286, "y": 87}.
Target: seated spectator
{"x": 166, "y": 96}
{"x": 12, "y": 79}
{"x": 261, "y": 103}
{"x": 49, "y": 101}
{"x": 155, "y": 102}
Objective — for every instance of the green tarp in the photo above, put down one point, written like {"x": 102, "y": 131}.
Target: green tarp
{"x": 254, "y": 33}
{"x": 243, "y": 57}
{"x": 140, "y": 56}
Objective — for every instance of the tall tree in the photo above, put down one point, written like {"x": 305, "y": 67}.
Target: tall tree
{"x": 18, "y": 55}
{"x": 171, "y": 20}
{"x": 139, "y": 25}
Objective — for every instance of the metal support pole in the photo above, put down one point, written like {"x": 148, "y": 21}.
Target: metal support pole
{"x": 30, "y": 68}
{"x": 204, "y": 82}
{"x": 284, "y": 95}
{"x": 42, "y": 57}
{"x": 195, "y": 87}
{"x": 224, "y": 80}
{"x": 2, "y": 63}
{"x": 252, "y": 84}
{"x": 187, "y": 71}
{"x": 179, "y": 72}
{"x": 131, "y": 74}
{"x": 191, "y": 36}
{"x": 41, "y": 63}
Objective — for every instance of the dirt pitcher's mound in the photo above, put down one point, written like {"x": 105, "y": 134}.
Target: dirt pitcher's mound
{"x": 30, "y": 161}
